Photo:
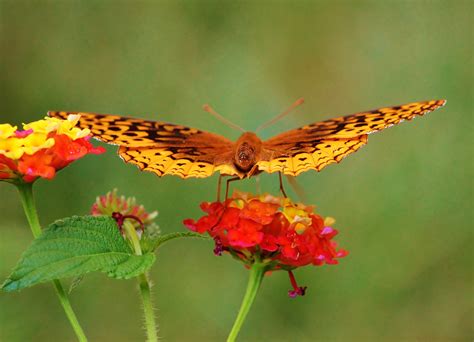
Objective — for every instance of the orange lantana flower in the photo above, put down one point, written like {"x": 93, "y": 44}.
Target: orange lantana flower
{"x": 271, "y": 230}
{"x": 42, "y": 148}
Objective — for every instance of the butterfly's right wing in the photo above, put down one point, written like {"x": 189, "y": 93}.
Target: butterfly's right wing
{"x": 322, "y": 143}
{"x": 158, "y": 147}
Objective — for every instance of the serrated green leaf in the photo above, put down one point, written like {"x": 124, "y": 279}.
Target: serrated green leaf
{"x": 75, "y": 246}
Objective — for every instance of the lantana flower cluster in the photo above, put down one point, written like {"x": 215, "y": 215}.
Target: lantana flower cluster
{"x": 42, "y": 147}
{"x": 123, "y": 208}
{"x": 274, "y": 229}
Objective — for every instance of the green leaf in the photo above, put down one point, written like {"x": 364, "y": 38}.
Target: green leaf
{"x": 75, "y": 246}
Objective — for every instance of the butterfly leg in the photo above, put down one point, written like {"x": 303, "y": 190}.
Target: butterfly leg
{"x": 227, "y": 187}
{"x": 219, "y": 182}
{"x": 281, "y": 185}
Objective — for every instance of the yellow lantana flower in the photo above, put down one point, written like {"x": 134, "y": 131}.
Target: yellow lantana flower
{"x": 42, "y": 148}
{"x": 13, "y": 145}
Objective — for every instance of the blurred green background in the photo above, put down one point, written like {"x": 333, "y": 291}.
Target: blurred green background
{"x": 403, "y": 203}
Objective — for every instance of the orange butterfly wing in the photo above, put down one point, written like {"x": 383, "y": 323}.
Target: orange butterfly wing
{"x": 165, "y": 148}
{"x": 161, "y": 148}
{"x": 317, "y": 145}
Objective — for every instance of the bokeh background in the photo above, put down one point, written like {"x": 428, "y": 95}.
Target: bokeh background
{"x": 403, "y": 203}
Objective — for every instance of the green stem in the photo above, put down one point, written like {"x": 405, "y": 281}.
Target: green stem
{"x": 133, "y": 236}
{"x": 63, "y": 298}
{"x": 148, "y": 308}
{"x": 27, "y": 199}
{"x": 29, "y": 207}
{"x": 144, "y": 284}
{"x": 176, "y": 235}
{"x": 257, "y": 271}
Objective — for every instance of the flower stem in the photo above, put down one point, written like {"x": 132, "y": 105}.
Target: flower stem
{"x": 144, "y": 285}
{"x": 63, "y": 298}
{"x": 133, "y": 236}
{"x": 170, "y": 236}
{"x": 257, "y": 271}
{"x": 29, "y": 207}
{"x": 147, "y": 308}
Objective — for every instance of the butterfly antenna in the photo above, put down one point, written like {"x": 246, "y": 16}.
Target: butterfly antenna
{"x": 219, "y": 117}
{"x": 278, "y": 117}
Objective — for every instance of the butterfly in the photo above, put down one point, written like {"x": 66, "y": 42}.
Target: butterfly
{"x": 169, "y": 149}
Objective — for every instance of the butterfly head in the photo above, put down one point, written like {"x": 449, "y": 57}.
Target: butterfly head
{"x": 247, "y": 151}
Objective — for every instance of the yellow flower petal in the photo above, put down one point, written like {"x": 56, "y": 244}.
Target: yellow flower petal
{"x": 300, "y": 228}
{"x": 41, "y": 126}
{"x": 35, "y": 142}
{"x": 329, "y": 221}
{"x": 73, "y": 118}
{"x": 291, "y": 212}
{"x": 11, "y": 148}
{"x": 66, "y": 127}
{"x": 14, "y": 147}
{"x": 237, "y": 203}
{"x": 6, "y": 130}
{"x": 75, "y": 133}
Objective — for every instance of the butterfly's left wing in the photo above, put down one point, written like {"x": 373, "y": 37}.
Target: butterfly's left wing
{"x": 293, "y": 157}
{"x": 159, "y": 147}
{"x": 317, "y": 145}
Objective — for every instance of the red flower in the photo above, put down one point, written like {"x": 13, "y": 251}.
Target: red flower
{"x": 7, "y": 168}
{"x": 283, "y": 234}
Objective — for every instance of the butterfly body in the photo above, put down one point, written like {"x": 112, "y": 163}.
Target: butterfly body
{"x": 169, "y": 149}
{"x": 247, "y": 153}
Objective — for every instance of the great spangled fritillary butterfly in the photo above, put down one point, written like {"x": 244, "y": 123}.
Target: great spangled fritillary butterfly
{"x": 168, "y": 149}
